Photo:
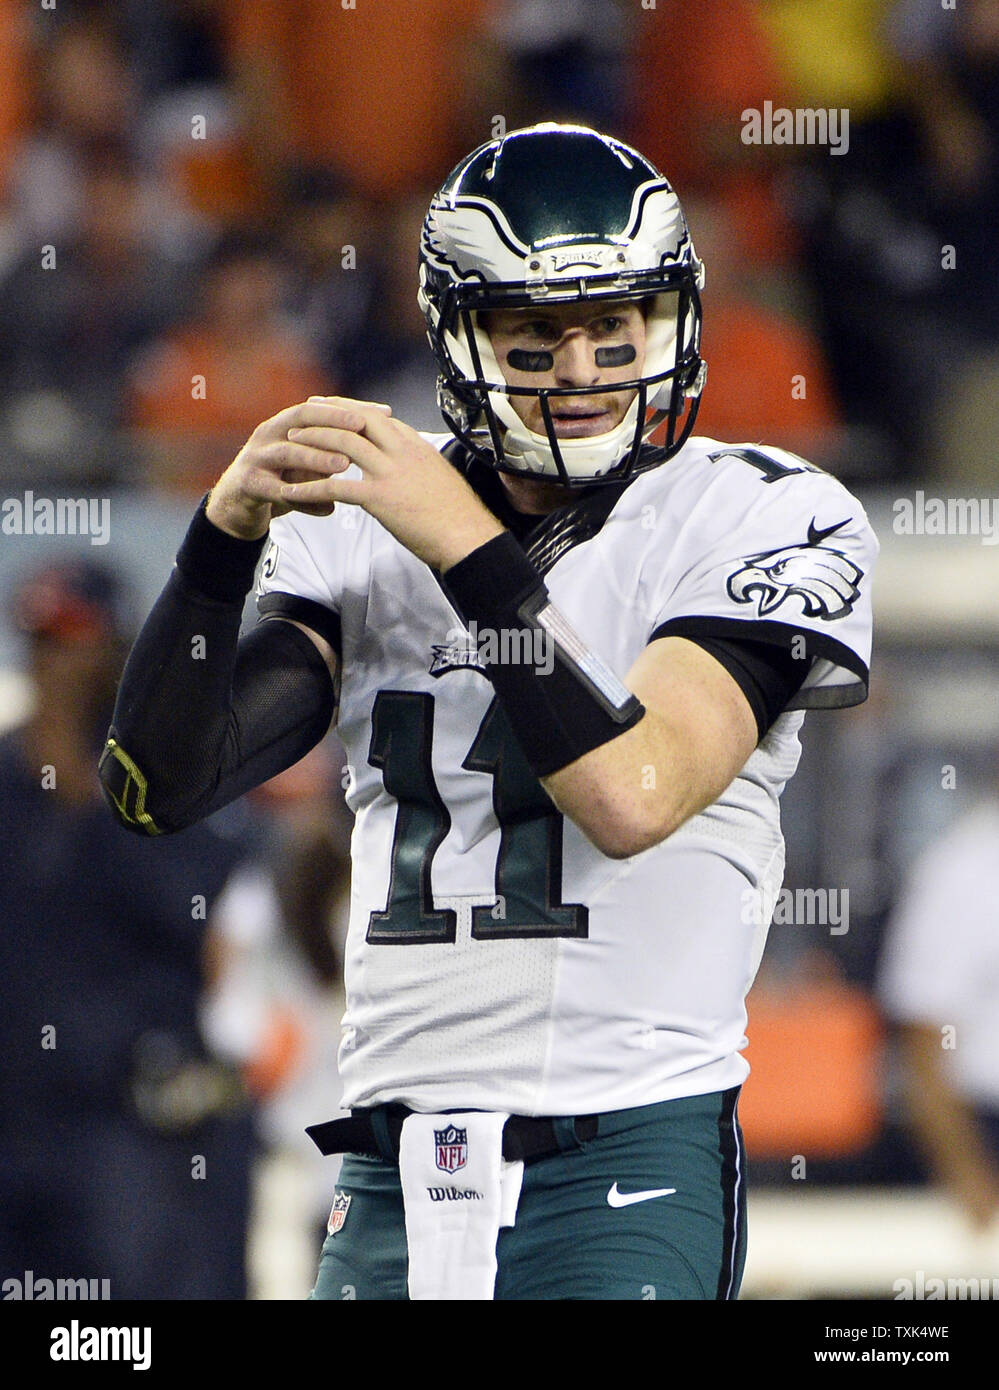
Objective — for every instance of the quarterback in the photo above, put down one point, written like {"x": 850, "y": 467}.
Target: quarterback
{"x": 568, "y": 647}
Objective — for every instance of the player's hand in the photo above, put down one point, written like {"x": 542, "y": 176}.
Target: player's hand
{"x": 248, "y": 494}
{"x": 406, "y": 485}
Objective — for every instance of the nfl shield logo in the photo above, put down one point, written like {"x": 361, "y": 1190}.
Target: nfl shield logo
{"x": 452, "y": 1148}
{"x": 338, "y": 1212}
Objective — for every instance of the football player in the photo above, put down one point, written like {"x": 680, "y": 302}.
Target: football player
{"x": 568, "y": 648}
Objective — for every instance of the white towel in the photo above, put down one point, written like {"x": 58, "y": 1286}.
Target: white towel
{"x": 458, "y": 1191}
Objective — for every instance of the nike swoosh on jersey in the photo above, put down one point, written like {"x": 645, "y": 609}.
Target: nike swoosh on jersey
{"x": 625, "y": 1199}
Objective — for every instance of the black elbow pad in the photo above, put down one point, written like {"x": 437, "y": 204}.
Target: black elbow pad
{"x": 125, "y": 789}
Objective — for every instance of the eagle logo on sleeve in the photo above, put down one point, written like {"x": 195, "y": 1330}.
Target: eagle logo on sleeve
{"x": 824, "y": 579}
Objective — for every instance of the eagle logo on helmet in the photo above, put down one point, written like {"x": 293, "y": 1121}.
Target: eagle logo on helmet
{"x": 825, "y": 580}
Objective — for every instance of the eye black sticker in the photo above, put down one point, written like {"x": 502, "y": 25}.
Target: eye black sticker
{"x": 615, "y": 356}
{"x": 522, "y": 361}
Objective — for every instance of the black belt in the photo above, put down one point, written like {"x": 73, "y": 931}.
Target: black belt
{"x": 376, "y": 1133}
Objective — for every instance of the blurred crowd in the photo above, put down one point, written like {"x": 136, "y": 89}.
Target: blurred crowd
{"x": 230, "y": 195}
{"x": 170, "y": 1007}
{"x": 209, "y": 211}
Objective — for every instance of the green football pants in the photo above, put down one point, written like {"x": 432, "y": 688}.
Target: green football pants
{"x": 652, "y": 1208}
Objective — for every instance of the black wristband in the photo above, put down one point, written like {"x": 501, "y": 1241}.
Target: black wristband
{"x": 496, "y": 577}
{"x": 562, "y": 701}
{"x": 217, "y": 565}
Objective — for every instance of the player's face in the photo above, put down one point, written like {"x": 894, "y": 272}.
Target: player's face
{"x": 570, "y": 345}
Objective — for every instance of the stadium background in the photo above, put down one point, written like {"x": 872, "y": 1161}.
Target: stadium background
{"x": 233, "y": 192}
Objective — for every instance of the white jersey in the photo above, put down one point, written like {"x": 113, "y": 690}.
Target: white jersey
{"x": 496, "y": 960}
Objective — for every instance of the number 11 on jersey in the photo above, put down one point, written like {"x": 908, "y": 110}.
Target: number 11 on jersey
{"x": 528, "y": 873}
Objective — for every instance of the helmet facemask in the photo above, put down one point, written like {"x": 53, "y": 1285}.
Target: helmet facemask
{"x": 476, "y": 400}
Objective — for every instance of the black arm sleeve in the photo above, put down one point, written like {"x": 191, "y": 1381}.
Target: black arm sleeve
{"x": 768, "y": 675}
{"x": 202, "y": 717}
